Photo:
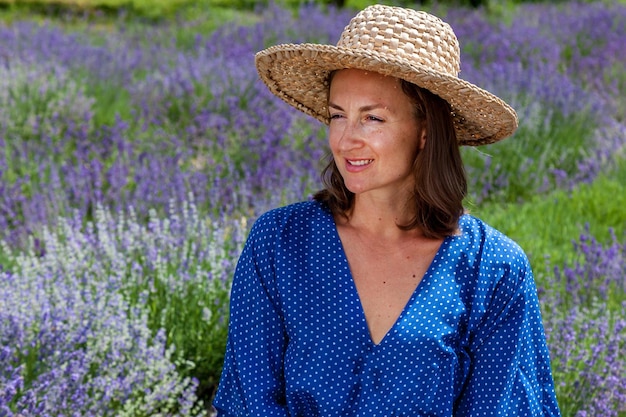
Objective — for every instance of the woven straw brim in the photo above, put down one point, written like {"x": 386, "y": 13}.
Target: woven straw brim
{"x": 298, "y": 74}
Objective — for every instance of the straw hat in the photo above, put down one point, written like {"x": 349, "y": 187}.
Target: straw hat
{"x": 404, "y": 43}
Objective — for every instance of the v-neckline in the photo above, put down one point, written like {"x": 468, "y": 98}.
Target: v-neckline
{"x": 355, "y": 293}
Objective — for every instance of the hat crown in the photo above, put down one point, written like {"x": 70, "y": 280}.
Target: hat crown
{"x": 410, "y": 35}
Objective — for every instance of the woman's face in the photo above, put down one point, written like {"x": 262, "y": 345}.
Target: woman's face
{"x": 374, "y": 134}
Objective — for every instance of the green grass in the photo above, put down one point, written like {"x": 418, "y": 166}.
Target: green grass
{"x": 145, "y": 8}
{"x": 527, "y": 158}
{"x": 546, "y": 225}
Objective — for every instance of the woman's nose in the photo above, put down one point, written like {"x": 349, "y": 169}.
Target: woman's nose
{"x": 350, "y": 134}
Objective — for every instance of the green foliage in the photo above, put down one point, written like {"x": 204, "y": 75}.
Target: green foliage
{"x": 91, "y": 290}
{"x": 184, "y": 286}
{"x": 526, "y": 161}
{"x": 159, "y": 9}
{"x": 33, "y": 101}
{"x": 194, "y": 316}
{"x": 175, "y": 271}
{"x": 580, "y": 329}
{"x": 546, "y": 225}
{"x": 110, "y": 102}
{"x": 34, "y": 97}
{"x": 202, "y": 19}
{"x": 615, "y": 76}
{"x": 147, "y": 8}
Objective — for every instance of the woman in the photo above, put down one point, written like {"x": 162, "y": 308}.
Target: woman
{"x": 381, "y": 297}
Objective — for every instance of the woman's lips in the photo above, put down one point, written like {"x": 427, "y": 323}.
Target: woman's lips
{"x": 356, "y": 165}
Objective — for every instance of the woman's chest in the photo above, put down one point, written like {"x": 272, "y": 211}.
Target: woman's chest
{"x": 332, "y": 361}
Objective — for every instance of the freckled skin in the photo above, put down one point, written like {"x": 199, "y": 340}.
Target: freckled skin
{"x": 373, "y": 134}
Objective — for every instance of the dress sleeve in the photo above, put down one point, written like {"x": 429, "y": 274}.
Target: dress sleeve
{"x": 510, "y": 371}
{"x": 252, "y": 382}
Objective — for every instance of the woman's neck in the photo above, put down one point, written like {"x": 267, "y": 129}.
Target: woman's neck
{"x": 380, "y": 218}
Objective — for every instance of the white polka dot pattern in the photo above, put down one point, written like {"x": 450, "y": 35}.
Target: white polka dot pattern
{"x": 469, "y": 342}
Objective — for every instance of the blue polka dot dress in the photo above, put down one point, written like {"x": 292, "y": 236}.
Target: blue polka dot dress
{"x": 469, "y": 342}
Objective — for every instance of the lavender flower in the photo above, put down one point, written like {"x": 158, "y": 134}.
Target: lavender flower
{"x": 83, "y": 322}
{"x": 130, "y": 165}
{"x": 583, "y": 309}
{"x": 196, "y": 119}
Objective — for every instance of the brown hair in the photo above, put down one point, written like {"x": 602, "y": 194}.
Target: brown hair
{"x": 440, "y": 182}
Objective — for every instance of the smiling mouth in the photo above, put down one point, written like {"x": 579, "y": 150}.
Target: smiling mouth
{"x": 360, "y": 162}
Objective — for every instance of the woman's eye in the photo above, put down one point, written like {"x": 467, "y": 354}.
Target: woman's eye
{"x": 374, "y": 118}
{"x": 335, "y": 116}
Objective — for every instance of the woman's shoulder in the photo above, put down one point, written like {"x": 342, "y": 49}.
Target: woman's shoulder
{"x": 302, "y": 210}
{"x": 300, "y": 215}
{"x": 488, "y": 241}
{"x": 492, "y": 264}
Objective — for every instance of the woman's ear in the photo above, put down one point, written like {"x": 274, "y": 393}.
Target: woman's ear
{"x": 423, "y": 139}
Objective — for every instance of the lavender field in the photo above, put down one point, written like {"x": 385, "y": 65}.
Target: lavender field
{"x": 134, "y": 157}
